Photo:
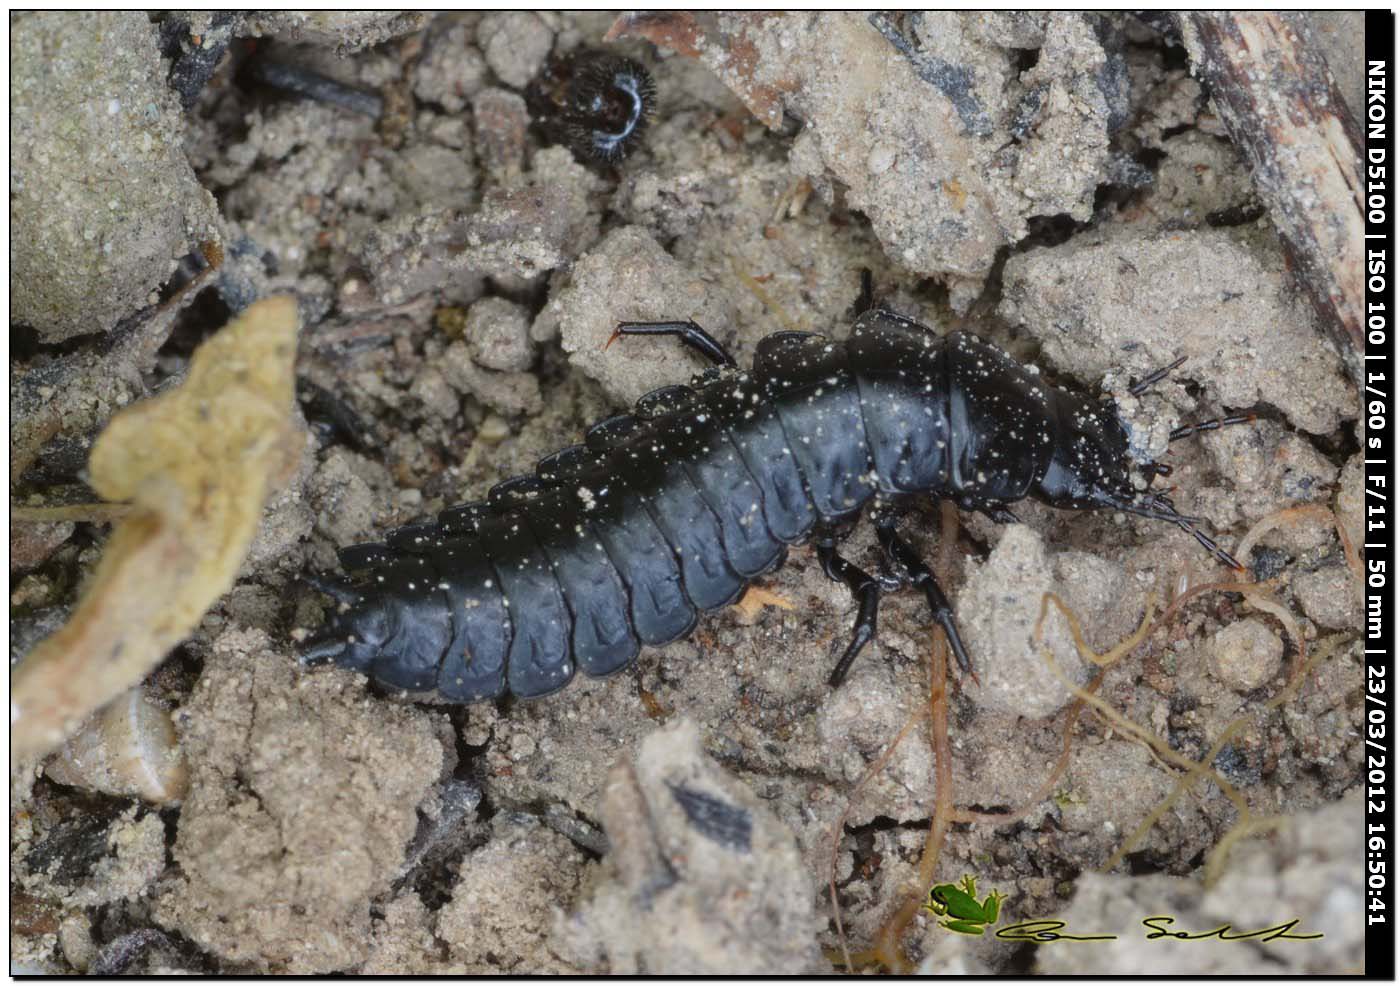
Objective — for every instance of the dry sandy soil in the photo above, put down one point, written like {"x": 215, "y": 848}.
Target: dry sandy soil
{"x": 1056, "y": 183}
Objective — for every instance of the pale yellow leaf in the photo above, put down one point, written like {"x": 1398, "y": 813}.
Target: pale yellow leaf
{"x": 195, "y": 464}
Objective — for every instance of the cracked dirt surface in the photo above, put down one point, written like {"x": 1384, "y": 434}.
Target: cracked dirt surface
{"x": 457, "y": 273}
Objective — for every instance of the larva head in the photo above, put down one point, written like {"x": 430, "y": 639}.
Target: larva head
{"x": 1090, "y": 468}
{"x": 1089, "y": 465}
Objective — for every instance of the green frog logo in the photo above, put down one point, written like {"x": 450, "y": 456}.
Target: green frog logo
{"x": 958, "y": 904}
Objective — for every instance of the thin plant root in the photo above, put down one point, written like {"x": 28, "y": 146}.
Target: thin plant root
{"x": 1257, "y": 596}
{"x": 1199, "y": 769}
{"x": 1176, "y": 604}
{"x": 1145, "y": 629}
{"x": 887, "y": 946}
{"x": 1324, "y": 650}
{"x": 1247, "y": 822}
{"x": 887, "y": 950}
{"x": 1122, "y": 723}
{"x": 1349, "y": 550}
{"x": 1261, "y": 600}
{"x": 1048, "y": 787}
{"x": 1292, "y": 516}
{"x": 838, "y": 829}
{"x": 1194, "y": 769}
{"x": 1254, "y": 593}
{"x": 90, "y": 513}
{"x": 764, "y": 297}
{"x": 1215, "y": 862}
{"x": 1289, "y": 517}
{"x": 1126, "y": 646}
{"x": 1245, "y": 827}
{"x": 1161, "y": 749}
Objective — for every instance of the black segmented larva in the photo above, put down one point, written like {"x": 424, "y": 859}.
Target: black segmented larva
{"x": 599, "y": 103}
{"x": 674, "y": 508}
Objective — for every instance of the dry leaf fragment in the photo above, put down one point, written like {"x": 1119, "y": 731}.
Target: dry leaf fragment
{"x": 196, "y": 464}
{"x": 722, "y": 44}
{"x": 756, "y": 598}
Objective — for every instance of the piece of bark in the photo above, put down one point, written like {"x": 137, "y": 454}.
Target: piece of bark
{"x": 721, "y": 42}
{"x": 1281, "y": 105}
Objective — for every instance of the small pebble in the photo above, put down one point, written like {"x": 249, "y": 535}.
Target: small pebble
{"x": 516, "y": 44}
{"x": 31, "y": 544}
{"x": 129, "y": 748}
{"x": 501, "y": 122}
{"x": 493, "y": 429}
{"x": 75, "y": 940}
{"x": 881, "y": 158}
{"x": 1246, "y": 655}
{"x": 438, "y": 398}
{"x": 522, "y": 746}
{"x": 498, "y": 334}
{"x": 451, "y": 71}
{"x": 1329, "y": 596}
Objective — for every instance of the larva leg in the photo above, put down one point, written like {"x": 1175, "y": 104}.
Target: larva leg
{"x": 688, "y": 332}
{"x": 865, "y": 301}
{"x": 1001, "y": 515}
{"x": 919, "y": 574}
{"x": 867, "y": 593}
